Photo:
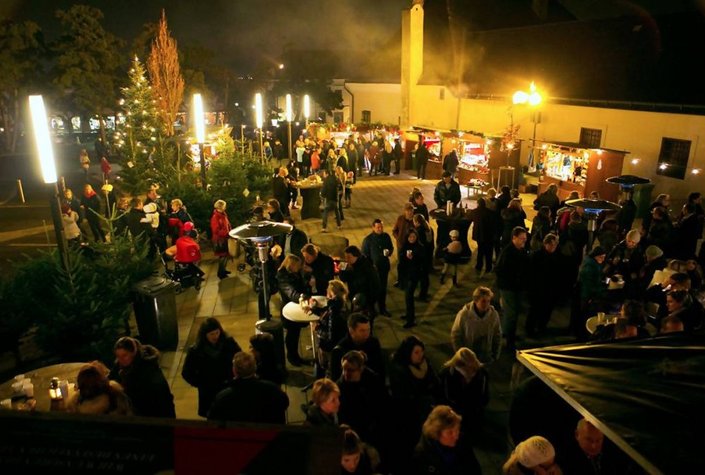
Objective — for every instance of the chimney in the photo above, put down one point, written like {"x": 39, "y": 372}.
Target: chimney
{"x": 411, "y": 58}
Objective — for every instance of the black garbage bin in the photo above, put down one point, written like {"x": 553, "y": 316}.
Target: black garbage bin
{"x": 155, "y": 310}
{"x": 276, "y": 329}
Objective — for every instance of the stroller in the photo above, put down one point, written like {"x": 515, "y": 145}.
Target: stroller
{"x": 185, "y": 275}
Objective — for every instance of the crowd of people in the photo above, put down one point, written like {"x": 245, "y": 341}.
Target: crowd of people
{"x": 400, "y": 414}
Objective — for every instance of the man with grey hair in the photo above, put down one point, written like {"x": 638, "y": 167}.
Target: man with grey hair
{"x": 248, "y": 398}
{"x": 585, "y": 455}
{"x": 627, "y": 259}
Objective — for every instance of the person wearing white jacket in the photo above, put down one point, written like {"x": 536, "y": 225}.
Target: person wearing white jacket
{"x": 477, "y": 327}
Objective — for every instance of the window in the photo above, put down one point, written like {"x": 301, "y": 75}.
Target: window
{"x": 367, "y": 116}
{"x": 442, "y": 94}
{"x": 673, "y": 159}
{"x": 590, "y": 138}
{"x": 337, "y": 117}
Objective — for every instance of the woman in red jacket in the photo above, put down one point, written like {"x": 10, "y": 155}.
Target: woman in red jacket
{"x": 220, "y": 225}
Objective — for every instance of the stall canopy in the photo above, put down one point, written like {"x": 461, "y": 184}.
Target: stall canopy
{"x": 647, "y": 396}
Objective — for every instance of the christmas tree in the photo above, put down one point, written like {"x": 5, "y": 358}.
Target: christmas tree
{"x": 139, "y": 132}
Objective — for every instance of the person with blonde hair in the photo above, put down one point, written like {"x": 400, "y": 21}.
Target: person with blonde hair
{"x": 96, "y": 394}
{"x": 465, "y": 386}
{"x": 220, "y": 227}
{"x": 177, "y": 218}
{"x": 324, "y": 405}
{"x": 442, "y": 448}
{"x": 332, "y": 326}
{"x": 477, "y": 327}
{"x": 535, "y": 455}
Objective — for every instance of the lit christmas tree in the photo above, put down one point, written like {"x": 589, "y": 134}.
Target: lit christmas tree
{"x": 139, "y": 132}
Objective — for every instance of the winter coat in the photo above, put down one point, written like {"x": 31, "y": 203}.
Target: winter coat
{"x": 512, "y": 268}
{"x": 250, "y": 400}
{"x": 220, "y": 225}
{"x": 592, "y": 284}
{"x": 362, "y": 278}
{"x": 482, "y": 334}
{"x": 430, "y": 457}
{"x": 145, "y": 385}
{"x": 113, "y": 403}
{"x": 443, "y": 194}
{"x": 209, "y": 368}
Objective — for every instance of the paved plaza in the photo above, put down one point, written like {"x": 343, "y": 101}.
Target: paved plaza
{"x": 234, "y": 303}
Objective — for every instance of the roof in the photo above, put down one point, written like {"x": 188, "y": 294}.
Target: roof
{"x": 644, "y": 395}
{"x": 647, "y": 59}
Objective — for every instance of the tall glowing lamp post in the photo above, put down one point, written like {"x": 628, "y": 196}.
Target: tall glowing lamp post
{"x": 46, "y": 159}
{"x": 259, "y": 120}
{"x": 200, "y": 128}
{"x": 307, "y": 108}
{"x": 289, "y": 118}
{"x": 533, "y": 99}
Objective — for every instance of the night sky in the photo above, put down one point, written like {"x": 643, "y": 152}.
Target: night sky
{"x": 241, "y": 31}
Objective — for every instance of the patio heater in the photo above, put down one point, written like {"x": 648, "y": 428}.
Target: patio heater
{"x": 593, "y": 208}
{"x": 261, "y": 234}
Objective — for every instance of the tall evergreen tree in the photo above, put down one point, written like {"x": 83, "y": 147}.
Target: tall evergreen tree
{"x": 139, "y": 133}
{"x": 165, "y": 74}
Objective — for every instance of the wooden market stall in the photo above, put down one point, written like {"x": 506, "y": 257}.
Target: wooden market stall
{"x": 584, "y": 170}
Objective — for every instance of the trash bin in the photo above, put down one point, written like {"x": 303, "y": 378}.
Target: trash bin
{"x": 276, "y": 329}
{"x": 642, "y": 198}
{"x": 155, "y": 311}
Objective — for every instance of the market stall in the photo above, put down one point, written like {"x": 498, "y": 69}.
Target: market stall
{"x": 572, "y": 168}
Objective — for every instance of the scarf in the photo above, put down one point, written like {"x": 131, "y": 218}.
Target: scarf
{"x": 419, "y": 372}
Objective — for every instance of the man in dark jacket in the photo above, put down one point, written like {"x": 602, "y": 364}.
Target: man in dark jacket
{"x": 248, "y": 398}
{"x": 446, "y": 190}
{"x": 378, "y": 247}
{"x": 585, "y": 455}
{"x": 398, "y": 155}
{"x": 280, "y": 190}
{"x": 361, "y": 276}
{"x": 450, "y": 163}
{"x": 318, "y": 268}
{"x": 329, "y": 199}
{"x": 484, "y": 232}
{"x": 511, "y": 271}
{"x": 422, "y": 155}
{"x": 359, "y": 338}
{"x": 543, "y": 295}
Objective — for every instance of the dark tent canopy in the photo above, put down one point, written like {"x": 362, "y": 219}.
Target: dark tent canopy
{"x": 647, "y": 396}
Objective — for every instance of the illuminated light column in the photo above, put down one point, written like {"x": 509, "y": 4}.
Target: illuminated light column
{"x": 46, "y": 159}
{"x": 307, "y": 108}
{"x": 259, "y": 120}
{"x": 289, "y": 117}
{"x": 200, "y": 128}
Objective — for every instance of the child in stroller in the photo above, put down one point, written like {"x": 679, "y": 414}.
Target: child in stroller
{"x": 186, "y": 254}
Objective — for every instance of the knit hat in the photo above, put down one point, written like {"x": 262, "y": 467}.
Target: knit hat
{"x": 188, "y": 226}
{"x": 534, "y": 451}
{"x": 653, "y": 252}
{"x": 454, "y": 233}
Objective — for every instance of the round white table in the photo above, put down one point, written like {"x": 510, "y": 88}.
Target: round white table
{"x": 293, "y": 312}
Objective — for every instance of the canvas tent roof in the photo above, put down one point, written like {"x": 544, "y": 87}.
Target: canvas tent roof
{"x": 647, "y": 396}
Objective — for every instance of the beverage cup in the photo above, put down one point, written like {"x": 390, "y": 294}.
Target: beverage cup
{"x": 409, "y": 253}
{"x": 28, "y": 389}
{"x": 385, "y": 252}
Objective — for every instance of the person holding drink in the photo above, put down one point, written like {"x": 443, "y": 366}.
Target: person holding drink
{"x": 412, "y": 265}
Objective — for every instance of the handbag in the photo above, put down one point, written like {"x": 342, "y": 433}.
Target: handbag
{"x": 221, "y": 246}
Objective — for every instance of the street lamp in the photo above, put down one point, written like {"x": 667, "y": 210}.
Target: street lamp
{"x": 307, "y": 108}
{"x": 200, "y": 134}
{"x": 46, "y": 159}
{"x": 242, "y": 137}
{"x": 533, "y": 99}
{"x": 289, "y": 117}
{"x": 259, "y": 121}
